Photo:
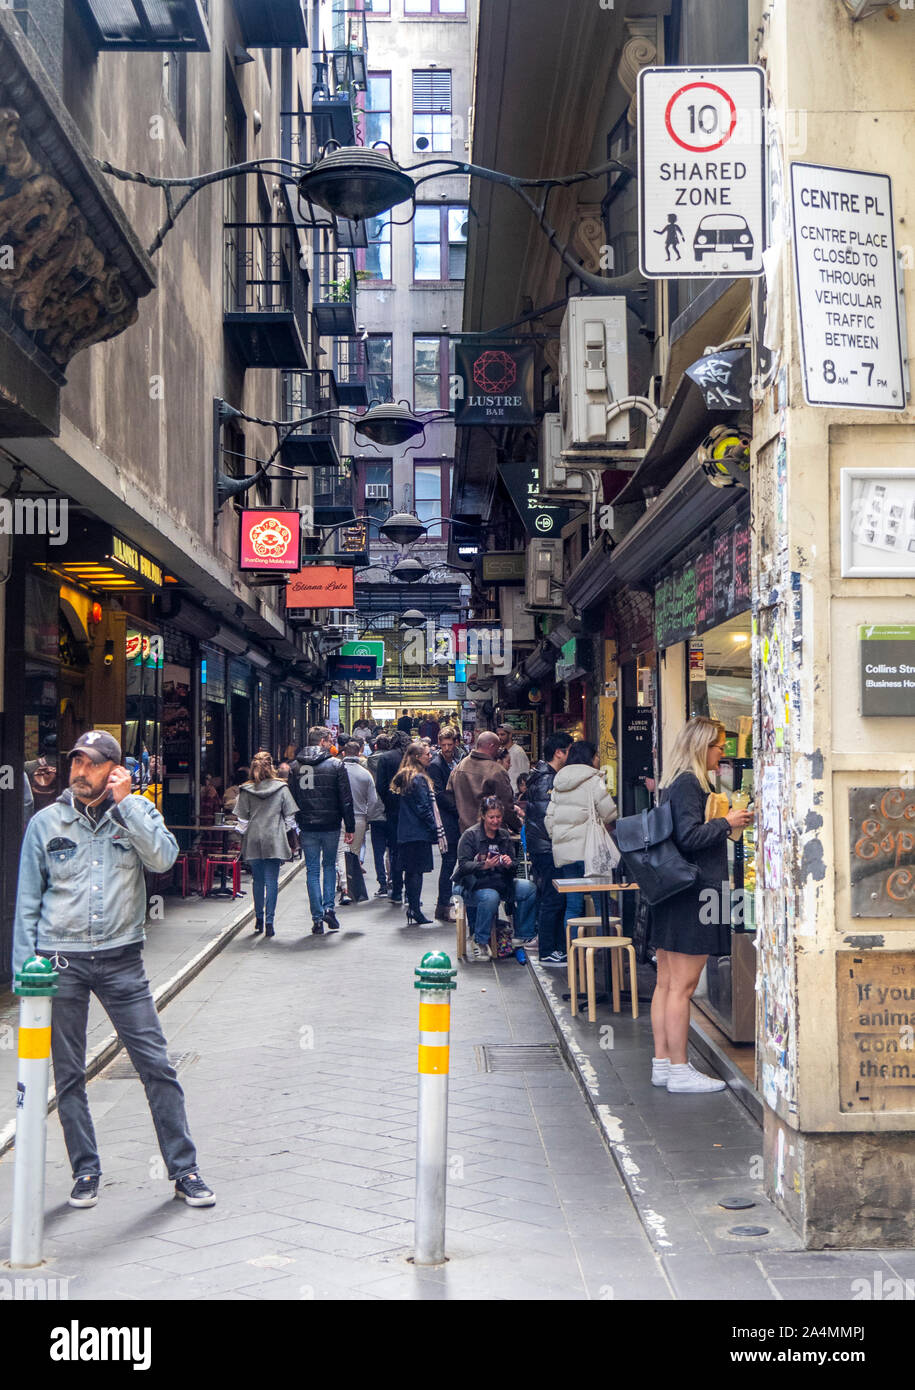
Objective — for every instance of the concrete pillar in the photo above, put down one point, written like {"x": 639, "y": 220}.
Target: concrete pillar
{"x": 837, "y": 976}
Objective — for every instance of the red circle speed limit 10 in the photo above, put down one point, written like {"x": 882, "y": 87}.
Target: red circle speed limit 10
{"x": 701, "y": 117}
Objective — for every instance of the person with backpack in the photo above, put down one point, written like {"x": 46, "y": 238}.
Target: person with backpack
{"x": 265, "y": 814}
{"x": 321, "y": 790}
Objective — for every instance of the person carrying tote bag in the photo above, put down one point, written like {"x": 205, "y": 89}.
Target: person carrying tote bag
{"x": 578, "y": 800}
{"x": 685, "y": 927}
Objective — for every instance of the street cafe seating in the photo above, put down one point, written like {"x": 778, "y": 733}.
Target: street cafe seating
{"x": 586, "y": 945}
{"x": 222, "y": 859}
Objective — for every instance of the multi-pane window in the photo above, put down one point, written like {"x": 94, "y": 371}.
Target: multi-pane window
{"x": 433, "y": 359}
{"x": 378, "y": 489}
{"x": 440, "y": 243}
{"x": 378, "y": 6}
{"x": 427, "y": 495}
{"x": 378, "y": 108}
{"x": 379, "y": 362}
{"x": 435, "y": 7}
{"x": 431, "y": 110}
{"x": 377, "y": 256}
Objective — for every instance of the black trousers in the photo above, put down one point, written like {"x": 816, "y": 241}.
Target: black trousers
{"x": 449, "y": 859}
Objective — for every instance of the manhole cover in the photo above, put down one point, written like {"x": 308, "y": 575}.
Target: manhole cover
{"x": 122, "y": 1069}
{"x": 749, "y": 1230}
{"x": 736, "y": 1203}
{"x": 518, "y": 1057}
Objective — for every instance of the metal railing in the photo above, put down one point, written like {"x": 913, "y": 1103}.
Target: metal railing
{"x": 263, "y": 271}
{"x": 333, "y": 488}
{"x": 310, "y": 393}
{"x": 350, "y": 364}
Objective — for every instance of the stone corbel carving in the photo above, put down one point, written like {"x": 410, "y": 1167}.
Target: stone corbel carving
{"x": 639, "y": 51}
{"x": 589, "y": 236}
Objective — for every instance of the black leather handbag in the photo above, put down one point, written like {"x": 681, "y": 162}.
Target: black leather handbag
{"x": 651, "y": 857}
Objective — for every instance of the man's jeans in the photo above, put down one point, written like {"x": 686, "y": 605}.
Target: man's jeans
{"x": 379, "y": 830}
{"x": 551, "y": 908}
{"x": 483, "y": 904}
{"x": 266, "y": 874}
{"x": 320, "y": 846}
{"x": 118, "y": 980}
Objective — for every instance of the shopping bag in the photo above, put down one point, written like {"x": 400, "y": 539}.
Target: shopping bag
{"x": 355, "y": 878}
{"x": 601, "y": 855}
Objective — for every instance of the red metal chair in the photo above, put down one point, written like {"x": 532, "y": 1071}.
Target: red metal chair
{"x": 222, "y": 860}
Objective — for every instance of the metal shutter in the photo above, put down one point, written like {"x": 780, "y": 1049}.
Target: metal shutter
{"x": 432, "y": 92}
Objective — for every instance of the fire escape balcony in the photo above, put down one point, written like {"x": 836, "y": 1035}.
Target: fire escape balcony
{"x": 273, "y": 23}
{"x": 74, "y": 268}
{"x": 351, "y": 371}
{"x": 335, "y": 294}
{"x": 334, "y": 498}
{"x": 148, "y": 24}
{"x": 266, "y": 294}
{"x": 317, "y": 443}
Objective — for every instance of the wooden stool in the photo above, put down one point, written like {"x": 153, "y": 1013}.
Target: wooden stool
{"x": 587, "y": 926}
{"x": 589, "y": 945}
{"x": 460, "y": 922}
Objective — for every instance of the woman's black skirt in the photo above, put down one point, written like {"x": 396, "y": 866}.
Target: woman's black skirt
{"x": 693, "y": 922}
{"x": 416, "y": 856}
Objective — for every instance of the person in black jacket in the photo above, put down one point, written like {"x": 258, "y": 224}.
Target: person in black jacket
{"x": 550, "y": 903}
{"x": 322, "y": 793}
{"x": 691, "y": 925}
{"x": 440, "y": 769}
{"x": 385, "y": 770}
{"x": 486, "y": 873}
{"x": 417, "y": 826}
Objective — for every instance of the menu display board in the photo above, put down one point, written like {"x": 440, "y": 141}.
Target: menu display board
{"x": 709, "y": 589}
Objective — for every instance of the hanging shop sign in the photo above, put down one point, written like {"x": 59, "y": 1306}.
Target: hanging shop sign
{"x": 129, "y": 557}
{"x": 493, "y": 384}
{"x": 702, "y": 163}
{"x": 503, "y": 567}
{"x": 848, "y": 302}
{"x": 270, "y": 540}
{"x": 540, "y": 515}
{"x": 352, "y": 668}
{"x": 887, "y": 659}
{"x": 882, "y": 851}
{"x": 706, "y": 591}
{"x": 370, "y": 648}
{"x": 321, "y": 586}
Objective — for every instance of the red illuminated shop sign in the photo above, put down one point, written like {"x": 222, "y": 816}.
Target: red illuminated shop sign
{"x": 270, "y": 540}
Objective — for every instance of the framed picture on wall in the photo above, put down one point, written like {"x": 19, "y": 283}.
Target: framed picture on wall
{"x": 877, "y": 507}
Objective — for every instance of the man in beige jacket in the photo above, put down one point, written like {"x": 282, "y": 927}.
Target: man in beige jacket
{"x": 480, "y": 775}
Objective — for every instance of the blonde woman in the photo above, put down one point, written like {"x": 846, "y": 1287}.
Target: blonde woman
{"x": 692, "y": 925}
{"x": 418, "y": 825}
{"x": 265, "y": 813}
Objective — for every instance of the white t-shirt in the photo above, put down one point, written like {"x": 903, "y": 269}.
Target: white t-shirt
{"x": 519, "y": 763}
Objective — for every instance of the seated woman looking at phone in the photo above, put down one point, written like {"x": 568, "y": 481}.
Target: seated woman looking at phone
{"x": 486, "y": 874}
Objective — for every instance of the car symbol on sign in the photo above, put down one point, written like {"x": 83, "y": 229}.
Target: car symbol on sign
{"x": 723, "y": 231}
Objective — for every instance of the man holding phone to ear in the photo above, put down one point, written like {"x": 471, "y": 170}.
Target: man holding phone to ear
{"x": 82, "y": 902}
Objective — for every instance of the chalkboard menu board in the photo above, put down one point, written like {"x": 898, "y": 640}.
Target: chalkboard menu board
{"x": 707, "y": 591}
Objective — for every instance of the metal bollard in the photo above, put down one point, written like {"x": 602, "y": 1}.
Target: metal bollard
{"x": 36, "y": 985}
{"x": 434, "y": 979}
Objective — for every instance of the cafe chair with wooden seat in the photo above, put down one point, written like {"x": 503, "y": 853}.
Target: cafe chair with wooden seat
{"x": 588, "y": 946}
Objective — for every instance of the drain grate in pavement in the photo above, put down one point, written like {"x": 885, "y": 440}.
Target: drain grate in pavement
{"x": 122, "y": 1069}
{"x": 518, "y": 1057}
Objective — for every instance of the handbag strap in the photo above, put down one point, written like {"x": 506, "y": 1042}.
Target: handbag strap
{"x": 645, "y": 833}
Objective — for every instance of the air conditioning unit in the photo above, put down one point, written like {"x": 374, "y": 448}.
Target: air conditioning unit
{"x": 593, "y": 373}
{"x": 345, "y": 620}
{"x": 556, "y": 479}
{"x": 376, "y": 492}
{"x": 543, "y": 589}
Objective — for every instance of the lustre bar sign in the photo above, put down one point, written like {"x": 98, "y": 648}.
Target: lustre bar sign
{"x": 270, "y": 540}
{"x": 321, "y": 586}
{"x": 494, "y": 384}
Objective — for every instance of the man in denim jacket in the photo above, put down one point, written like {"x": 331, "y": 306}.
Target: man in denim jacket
{"x": 82, "y": 901}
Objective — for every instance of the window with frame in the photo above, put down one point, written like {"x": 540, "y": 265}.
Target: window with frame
{"x": 433, "y": 362}
{"x": 431, "y": 111}
{"x": 427, "y": 496}
{"x": 378, "y": 108}
{"x": 375, "y": 260}
{"x": 379, "y": 367}
{"x": 435, "y": 7}
{"x": 440, "y": 243}
{"x": 379, "y": 487}
{"x": 382, "y": 7}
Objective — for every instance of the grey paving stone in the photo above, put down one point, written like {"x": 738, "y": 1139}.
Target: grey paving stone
{"x": 212, "y": 1256}
{"x": 734, "y": 1278}
{"x": 815, "y": 1290}
{"x": 830, "y": 1264}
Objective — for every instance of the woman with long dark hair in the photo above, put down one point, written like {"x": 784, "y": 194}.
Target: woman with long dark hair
{"x": 683, "y": 930}
{"x": 265, "y": 814}
{"x": 418, "y": 825}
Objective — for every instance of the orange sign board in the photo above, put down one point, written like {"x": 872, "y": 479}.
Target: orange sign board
{"x": 321, "y": 586}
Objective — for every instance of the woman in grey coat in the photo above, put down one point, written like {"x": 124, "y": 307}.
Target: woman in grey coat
{"x": 265, "y": 812}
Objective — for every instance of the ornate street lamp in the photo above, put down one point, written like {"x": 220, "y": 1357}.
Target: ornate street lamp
{"x": 408, "y": 571}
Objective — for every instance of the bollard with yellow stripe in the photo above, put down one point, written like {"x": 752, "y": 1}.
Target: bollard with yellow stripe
{"x": 434, "y": 979}
{"x": 36, "y": 985}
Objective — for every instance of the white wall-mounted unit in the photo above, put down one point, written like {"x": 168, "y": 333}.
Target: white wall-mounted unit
{"x": 543, "y": 589}
{"x": 375, "y": 492}
{"x": 593, "y": 373}
{"x": 344, "y": 619}
{"x": 556, "y": 478}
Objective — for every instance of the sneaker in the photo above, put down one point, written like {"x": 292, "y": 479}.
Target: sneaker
{"x": 660, "y": 1071}
{"x": 554, "y": 958}
{"x": 330, "y": 917}
{"x": 382, "y": 891}
{"x": 318, "y": 927}
{"x": 477, "y": 953}
{"x": 345, "y": 900}
{"x": 684, "y": 1077}
{"x": 194, "y": 1191}
{"x": 396, "y": 902}
{"x": 85, "y": 1191}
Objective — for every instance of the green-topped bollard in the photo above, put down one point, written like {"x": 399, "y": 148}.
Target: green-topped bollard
{"x": 434, "y": 980}
{"x": 36, "y": 985}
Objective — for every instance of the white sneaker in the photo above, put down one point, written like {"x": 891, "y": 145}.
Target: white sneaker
{"x": 660, "y": 1071}
{"x": 684, "y": 1077}
{"x": 477, "y": 953}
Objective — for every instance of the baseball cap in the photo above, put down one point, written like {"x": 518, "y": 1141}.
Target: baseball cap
{"x": 98, "y": 746}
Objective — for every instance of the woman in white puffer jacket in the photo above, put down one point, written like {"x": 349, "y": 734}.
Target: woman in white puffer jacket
{"x": 576, "y": 788}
